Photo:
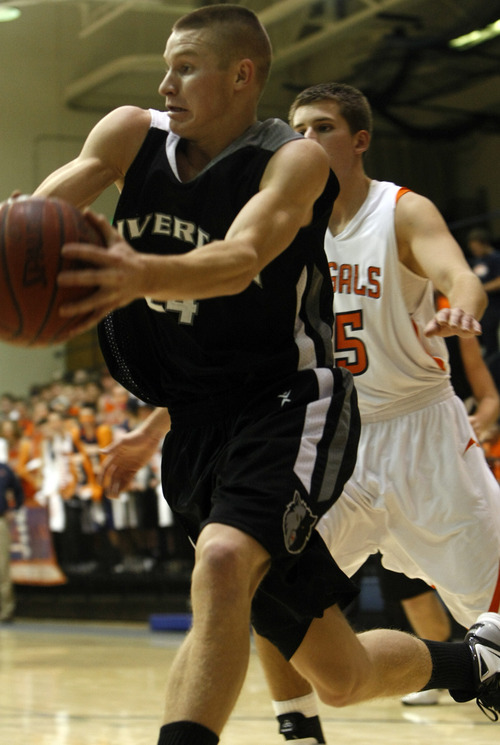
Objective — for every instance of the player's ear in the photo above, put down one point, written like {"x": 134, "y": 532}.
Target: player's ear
{"x": 245, "y": 72}
{"x": 362, "y": 141}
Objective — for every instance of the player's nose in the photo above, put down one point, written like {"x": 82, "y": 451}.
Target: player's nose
{"x": 310, "y": 134}
{"x": 167, "y": 85}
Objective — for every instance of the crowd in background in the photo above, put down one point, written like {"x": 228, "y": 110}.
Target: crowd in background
{"x": 55, "y": 440}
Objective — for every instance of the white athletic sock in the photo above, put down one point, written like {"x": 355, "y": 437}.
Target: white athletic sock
{"x": 306, "y": 705}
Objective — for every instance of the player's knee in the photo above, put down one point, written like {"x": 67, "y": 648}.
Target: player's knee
{"x": 342, "y": 689}
{"x": 226, "y": 563}
{"x": 219, "y": 558}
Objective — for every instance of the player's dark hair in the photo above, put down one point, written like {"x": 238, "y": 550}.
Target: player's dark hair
{"x": 237, "y": 32}
{"x": 353, "y": 105}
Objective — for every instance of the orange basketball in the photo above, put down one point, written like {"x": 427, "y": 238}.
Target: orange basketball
{"x": 32, "y": 233}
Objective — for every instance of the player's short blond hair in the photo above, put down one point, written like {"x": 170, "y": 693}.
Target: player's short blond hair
{"x": 237, "y": 34}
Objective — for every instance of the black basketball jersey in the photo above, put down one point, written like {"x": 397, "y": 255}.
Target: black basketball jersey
{"x": 179, "y": 352}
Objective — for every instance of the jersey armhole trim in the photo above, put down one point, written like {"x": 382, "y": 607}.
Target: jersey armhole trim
{"x": 402, "y": 190}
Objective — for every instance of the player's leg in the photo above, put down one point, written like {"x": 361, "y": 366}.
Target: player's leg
{"x": 422, "y": 606}
{"x": 427, "y": 616}
{"x": 294, "y": 701}
{"x": 347, "y": 668}
{"x": 425, "y": 613}
{"x": 210, "y": 667}
{"x": 277, "y": 496}
{"x": 352, "y": 527}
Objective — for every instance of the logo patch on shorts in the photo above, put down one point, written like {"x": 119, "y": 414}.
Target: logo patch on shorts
{"x": 298, "y": 523}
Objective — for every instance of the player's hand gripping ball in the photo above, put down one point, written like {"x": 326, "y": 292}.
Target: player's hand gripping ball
{"x": 32, "y": 233}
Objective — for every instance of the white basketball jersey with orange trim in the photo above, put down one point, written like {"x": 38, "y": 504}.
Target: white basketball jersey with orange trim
{"x": 381, "y": 309}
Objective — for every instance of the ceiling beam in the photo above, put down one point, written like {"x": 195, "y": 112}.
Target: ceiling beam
{"x": 278, "y": 11}
{"x": 291, "y": 54}
{"x": 102, "y": 75}
{"x": 303, "y": 48}
{"x": 97, "y": 15}
{"x": 93, "y": 19}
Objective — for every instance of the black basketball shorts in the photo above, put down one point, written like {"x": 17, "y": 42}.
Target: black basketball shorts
{"x": 270, "y": 463}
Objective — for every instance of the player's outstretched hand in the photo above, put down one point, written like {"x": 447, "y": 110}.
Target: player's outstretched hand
{"x": 124, "y": 458}
{"x": 453, "y": 322}
{"x": 115, "y": 271}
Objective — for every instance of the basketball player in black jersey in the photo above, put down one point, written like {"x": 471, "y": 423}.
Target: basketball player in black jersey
{"x": 217, "y": 309}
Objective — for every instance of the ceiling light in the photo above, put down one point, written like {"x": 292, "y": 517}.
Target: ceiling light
{"x": 9, "y": 14}
{"x": 476, "y": 37}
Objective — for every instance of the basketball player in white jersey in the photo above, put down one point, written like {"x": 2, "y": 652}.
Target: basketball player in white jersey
{"x": 421, "y": 492}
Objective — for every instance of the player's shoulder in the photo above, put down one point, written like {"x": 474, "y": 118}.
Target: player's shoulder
{"x": 409, "y": 202}
{"x": 119, "y": 135}
{"x": 308, "y": 154}
{"x": 415, "y": 210}
{"x": 300, "y": 169}
{"x": 124, "y": 121}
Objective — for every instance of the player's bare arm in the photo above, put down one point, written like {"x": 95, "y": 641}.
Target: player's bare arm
{"x": 293, "y": 180}
{"x": 126, "y": 456}
{"x": 104, "y": 159}
{"x": 483, "y": 386}
{"x": 427, "y": 248}
{"x": 492, "y": 286}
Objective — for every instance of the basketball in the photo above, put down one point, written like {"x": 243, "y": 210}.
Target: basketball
{"x": 32, "y": 233}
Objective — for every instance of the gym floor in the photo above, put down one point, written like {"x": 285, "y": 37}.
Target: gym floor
{"x": 95, "y": 683}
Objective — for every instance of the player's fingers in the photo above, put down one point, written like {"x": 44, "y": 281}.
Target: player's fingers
{"x": 93, "y": 308}
{"x": 87, "y": 252}
{"x": 464, "y": 324}
{"x": 117, "y": 481}
{"x": 453, "y": 321}
{"x": 103, "y": 226}
{"x": 104, "y": 277}
{"x": 449, "y": 317}
{"x": 88, "y": 321}
{"x": 111, "y": 484}
{"x": 432, "y": 328}
{"x": 472, "y": 324}
{"x": 454, "y": 318}
{"x": 80, "y": 328}
{"x": 106, "y": 472}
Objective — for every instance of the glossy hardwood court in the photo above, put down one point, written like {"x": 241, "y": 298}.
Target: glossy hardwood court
{"x": 64, "y": 683}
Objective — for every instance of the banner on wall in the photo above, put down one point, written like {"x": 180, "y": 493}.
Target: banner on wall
{"x": 33, "y": 561}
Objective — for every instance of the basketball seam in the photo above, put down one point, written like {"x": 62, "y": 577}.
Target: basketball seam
{"x": 8, "y": 282}
{"x": 55, "y": 289}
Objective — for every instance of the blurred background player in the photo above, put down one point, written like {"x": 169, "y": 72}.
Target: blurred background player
{"x": 11, "y": 498}
{"x": 485, "y": 262}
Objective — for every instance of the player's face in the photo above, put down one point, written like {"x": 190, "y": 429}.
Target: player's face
{"x": 197, "y": 91}
{"x": 323, "y": 122}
